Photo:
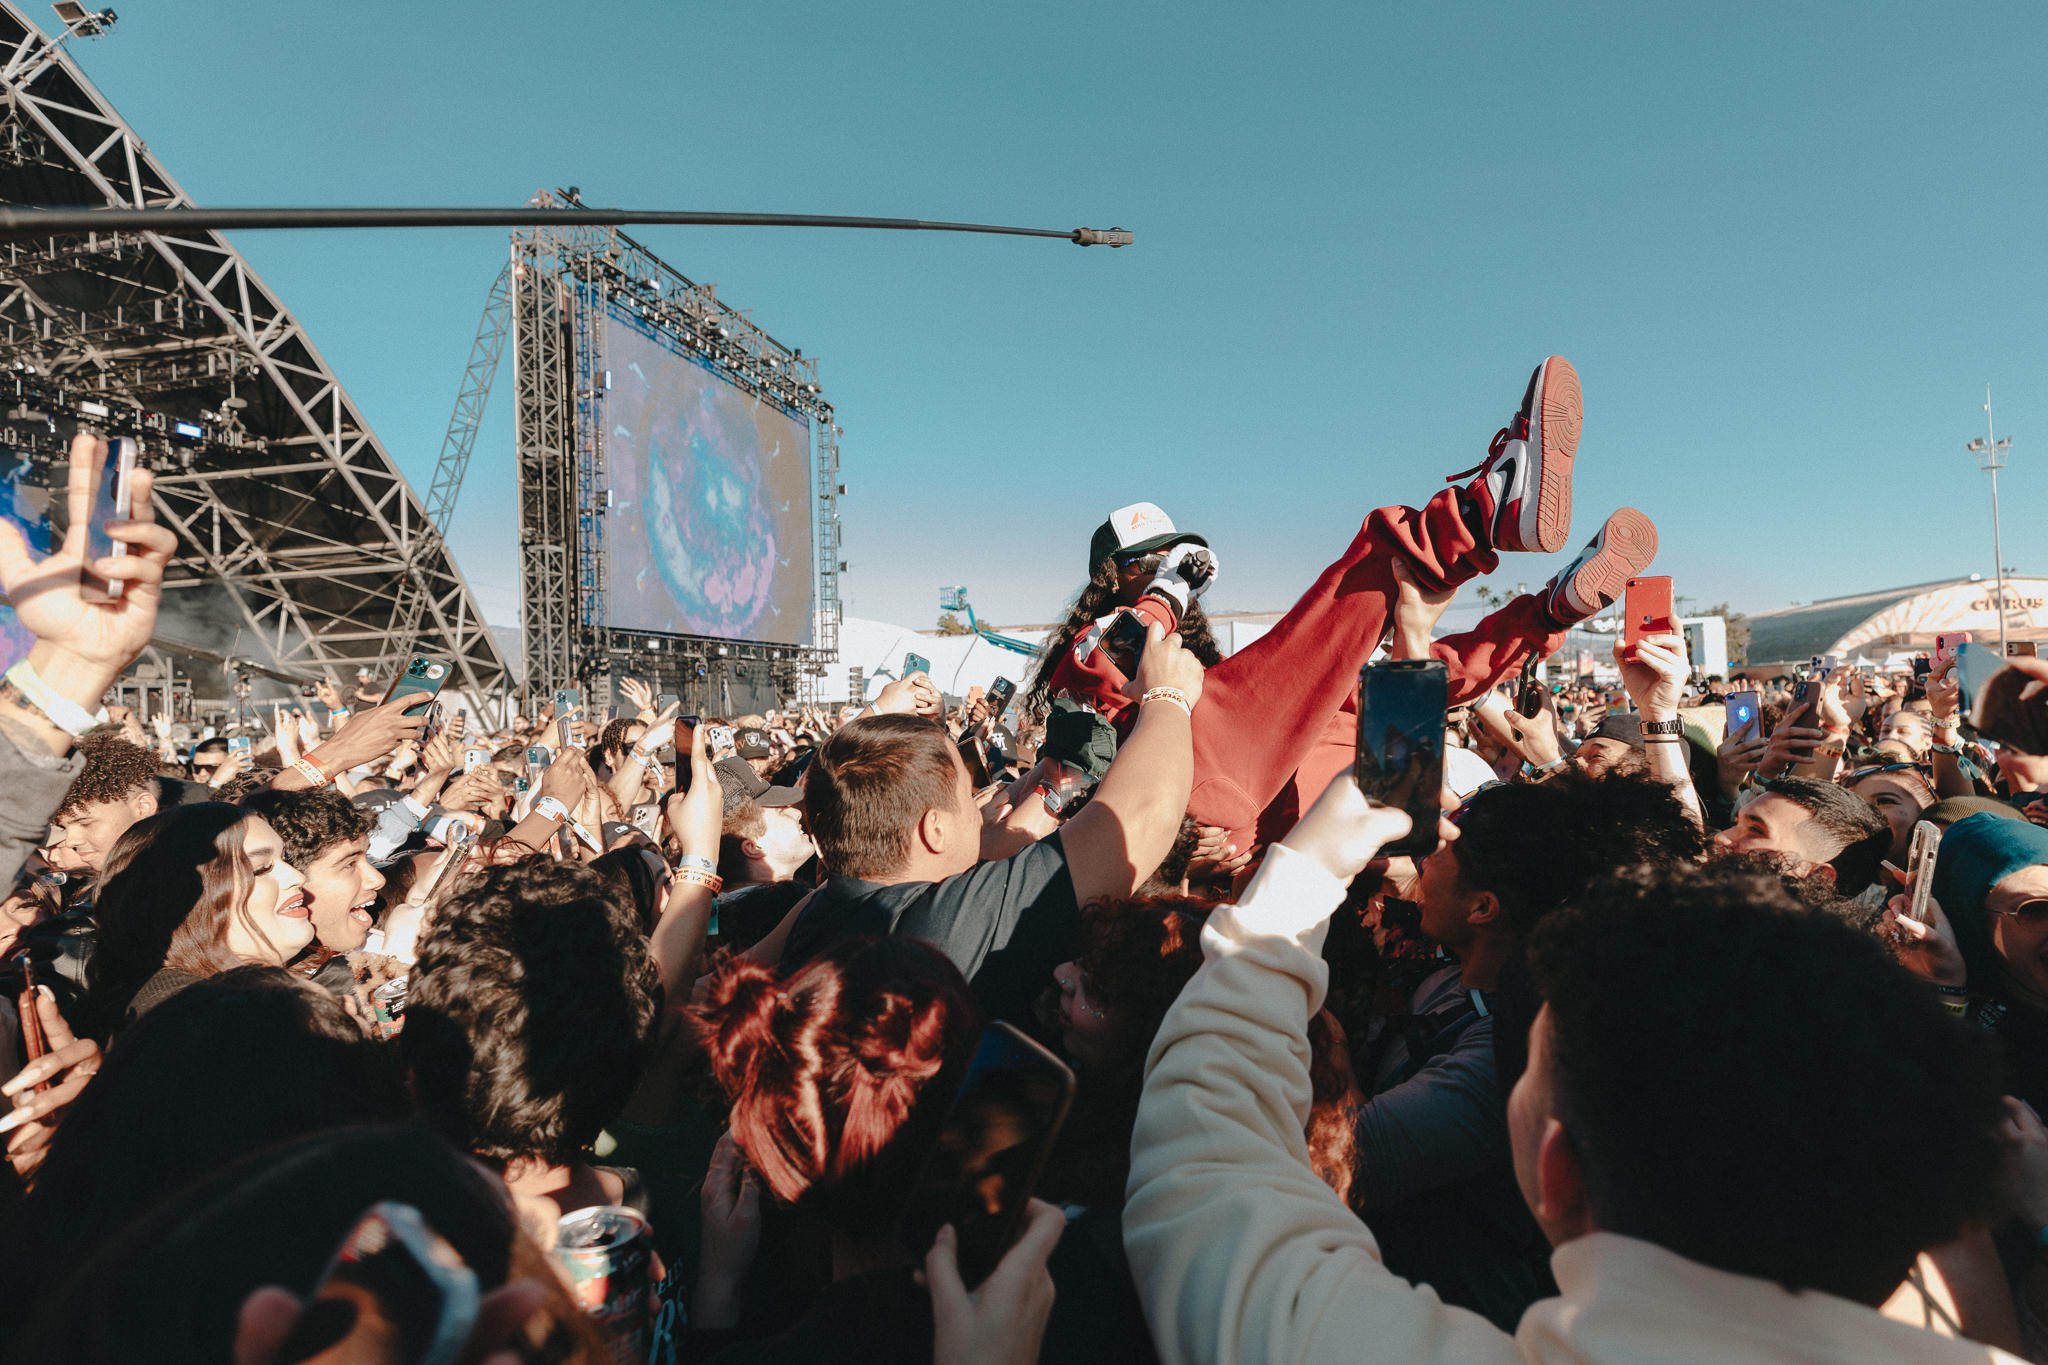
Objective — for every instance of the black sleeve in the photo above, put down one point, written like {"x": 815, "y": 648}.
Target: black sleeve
{"x": 1005, "y": 924}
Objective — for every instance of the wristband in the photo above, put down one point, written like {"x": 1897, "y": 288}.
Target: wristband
{"x": 698, "y": 861}
{"x": 1836, "y": 750}
{"x": 314, "y": 773}
{"x": 1673, "y": 727}
{"x": 67, "y": 715}
{"x": 710, "y": 881}
{"x": 550, "y": 808}
{"x": 337, "y": 717}
{"x": 1172, "y": 694}
{"x": 1949, "y": 990}
{"x": 639, "y": 755}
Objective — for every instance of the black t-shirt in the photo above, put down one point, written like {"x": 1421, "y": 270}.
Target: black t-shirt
{"x": 1005, "y": 925}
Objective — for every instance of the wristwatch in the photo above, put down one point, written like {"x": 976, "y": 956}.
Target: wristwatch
{"x": 1673, "y": 726}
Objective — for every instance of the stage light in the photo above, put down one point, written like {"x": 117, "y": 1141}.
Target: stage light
{"x": 191, "y": 431}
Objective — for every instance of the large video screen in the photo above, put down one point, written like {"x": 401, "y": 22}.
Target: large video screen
{"x": 709, "y": 531}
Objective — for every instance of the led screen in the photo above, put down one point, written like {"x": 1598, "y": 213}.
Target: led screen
{"x": 709, "y": 531}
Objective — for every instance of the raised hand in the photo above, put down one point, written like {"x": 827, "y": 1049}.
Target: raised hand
{"x": 33, "y": 1120}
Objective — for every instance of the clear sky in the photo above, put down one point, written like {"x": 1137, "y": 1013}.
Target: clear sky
{"x": 1786, "y": 246}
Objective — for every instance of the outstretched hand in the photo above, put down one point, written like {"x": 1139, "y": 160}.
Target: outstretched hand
{"x": 1003, "y": 1321}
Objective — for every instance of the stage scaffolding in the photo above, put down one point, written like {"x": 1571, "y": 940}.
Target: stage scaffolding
{"x": 302, "y": 551}
{"x": 563, "y": 280}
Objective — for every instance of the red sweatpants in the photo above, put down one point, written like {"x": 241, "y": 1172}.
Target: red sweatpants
{"x": 1277, "y": 719}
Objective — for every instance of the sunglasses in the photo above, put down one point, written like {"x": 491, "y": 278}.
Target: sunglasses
{"x": 1145, "y": 562}
{"x": 2031, "y": 914}
{"x": 1924, "y": 769}
{"x": 1457, "y": 817}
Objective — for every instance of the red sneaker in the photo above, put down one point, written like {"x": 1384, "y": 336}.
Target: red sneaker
{"x": 1594, "y": 581}
{"x": 1524, "y": 488}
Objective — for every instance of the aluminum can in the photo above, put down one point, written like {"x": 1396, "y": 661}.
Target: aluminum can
{"x": 609, "y": 1254}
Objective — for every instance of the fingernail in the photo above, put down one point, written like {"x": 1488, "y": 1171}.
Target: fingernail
{"x": 13, "y": 1120}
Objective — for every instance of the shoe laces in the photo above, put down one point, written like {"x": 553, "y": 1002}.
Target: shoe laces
{"x": 1517, "y": 430}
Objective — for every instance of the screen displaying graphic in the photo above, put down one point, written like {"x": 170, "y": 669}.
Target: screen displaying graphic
{"x": 709, "y": 531}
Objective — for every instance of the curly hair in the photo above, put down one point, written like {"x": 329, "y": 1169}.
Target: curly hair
{"x": 114, "y": 770}
{"x": 1095, "y": 601}
{"x": 531, "y": 1012}
{"x": 612, "y": 742}
{"x": 1739, "y": 1075}
{"x": 308, "y": 823}
{"x": 840, "y": 1076}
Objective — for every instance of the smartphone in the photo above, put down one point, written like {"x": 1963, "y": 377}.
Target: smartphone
{"x": 34, "y": 1042}
{"x": 565, "y": 734}
{"x": 664, "y": 700}
{"x": 1920, "y": 855}
{"x": 394, "y": 1284}
{"x": 472, "y": 759}
{"x": 2001, "y": 702}
{"x": 422, "y": 678}
{"x": 647, "y": 819}
{"x": 718, "y": 739}
{"x": 537, "y": 756}
{"x": 1529, "y": 689}
{"x": 1400, "y": 757}
{"x": 1745, "y": 716}
{"x": 1124, "y": 642}
{"x": 1000, "y": 693}
{"x": 111, "y": 497}
{"x": 567, "y": 700}
{"x": 916, "y": 663}
{"x": 2022, "y": 649}
{"x": 685, "y": 736}
{"x": 990, "y": 1151}
{"x": 1647, "y": 610}
{"x": 238, "y": 747}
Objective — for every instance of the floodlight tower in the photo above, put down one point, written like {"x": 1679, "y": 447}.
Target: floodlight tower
{"x": 1990, "y": 453}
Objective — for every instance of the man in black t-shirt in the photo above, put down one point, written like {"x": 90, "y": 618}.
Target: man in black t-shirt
{"x": 892, "y": 810}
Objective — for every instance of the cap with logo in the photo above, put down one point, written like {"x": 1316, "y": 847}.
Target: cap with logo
{"x": 1133, "y": 530}
{"x": 752, "y": 743}
{"x": 739, "y": 781}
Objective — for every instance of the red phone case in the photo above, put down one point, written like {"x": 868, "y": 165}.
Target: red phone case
{"x": 1646, "y": 610}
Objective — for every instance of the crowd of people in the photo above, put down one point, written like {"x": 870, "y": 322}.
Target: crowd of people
{"x": 1655, "y": 1048}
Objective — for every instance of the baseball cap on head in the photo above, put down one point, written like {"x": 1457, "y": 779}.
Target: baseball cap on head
{"x": 1129, "y": 530}
{"x": 741, "y": 783}
{"x": 752, "y": 743}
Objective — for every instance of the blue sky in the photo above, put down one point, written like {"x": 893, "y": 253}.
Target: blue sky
{"x": 1786, "y": 246}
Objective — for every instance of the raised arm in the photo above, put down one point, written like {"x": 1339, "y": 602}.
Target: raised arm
{"x": 1122, "y": 835}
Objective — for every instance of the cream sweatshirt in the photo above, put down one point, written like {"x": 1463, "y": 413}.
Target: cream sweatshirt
{"x": 1242, "y": 1254}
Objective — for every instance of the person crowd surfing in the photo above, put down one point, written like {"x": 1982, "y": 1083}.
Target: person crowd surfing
{"x": 1113, "y": 1021}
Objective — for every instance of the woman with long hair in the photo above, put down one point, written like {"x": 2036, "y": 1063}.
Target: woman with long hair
{"x": 189, "y": 893}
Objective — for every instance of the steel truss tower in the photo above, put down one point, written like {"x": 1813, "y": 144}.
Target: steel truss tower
{"x": 301, "y": 546}
{"x": 563, "y": 280}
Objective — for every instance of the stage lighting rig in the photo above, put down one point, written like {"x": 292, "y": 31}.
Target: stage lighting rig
{"x": 84, "y": 22}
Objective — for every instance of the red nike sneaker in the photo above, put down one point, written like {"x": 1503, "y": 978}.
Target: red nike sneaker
{"x": 1524, "y": 488}
{"x": 1594, "y": 581}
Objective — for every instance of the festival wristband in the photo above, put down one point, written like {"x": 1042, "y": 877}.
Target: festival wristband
{"x": 1172, "y": 694}
{"x": 313, "y": 772}
{"x": 710, "y": 881}
{"x": 550, "y": 808}
{"x": 697, "y": 861}
{"x": 67, "y": 715}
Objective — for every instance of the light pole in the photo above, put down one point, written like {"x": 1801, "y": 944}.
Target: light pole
{"x": 1990, "y": 453}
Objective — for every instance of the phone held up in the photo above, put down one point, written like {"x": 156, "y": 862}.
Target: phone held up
{"x": 1920, "y": 856}
{"x": 1646, "y": 610}
{"x": 1124, "y": 642}
{"x": 916, "y": 663}
{"x": 422, "y": 678}
{"x": 1000, "y": 694}
{"x": 1400, "y": 754}
{"x": 1745, "y": 716}
{"x": 111, "y": 501}
{"x": 991, "y": 1148}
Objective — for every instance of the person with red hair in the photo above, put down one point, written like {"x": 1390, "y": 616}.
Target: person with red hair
{"x": 840, "y": 1077}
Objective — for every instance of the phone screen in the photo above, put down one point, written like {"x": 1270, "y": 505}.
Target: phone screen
{"x": 1400, "y": 760}
{"x": 395, "y": 1290}
{"x": 422, "y": 678}
{"x": 990, "y": 1151}
{"x": 1124, "y": 642}
{"x": 1745, "y": 716}
{"x": 685, "y": 736}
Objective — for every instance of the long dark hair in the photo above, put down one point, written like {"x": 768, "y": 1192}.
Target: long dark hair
{"x": 174, "y": 883}
{"x": 241, "y": 1060}
{"x": 1095, "y": 601}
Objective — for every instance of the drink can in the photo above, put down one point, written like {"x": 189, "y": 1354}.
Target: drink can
{"x": 608, "y": 1252}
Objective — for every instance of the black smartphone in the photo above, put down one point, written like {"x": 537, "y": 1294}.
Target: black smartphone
{"x": 916, "y": 663}
{"x": 991, "y": 1148}
{"x": 1000, "y": 694}
{"x": 422, "y": 678}
{"x": 1124, "y": 642}
{"x": 664, "y": 700}
{"x": 397, "y": 1287}
{"x": 685, "y": 736}
{"x": 1529, "y": 691}
{"x": 1400, "y": 758}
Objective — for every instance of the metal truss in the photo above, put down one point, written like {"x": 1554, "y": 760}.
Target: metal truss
{"x": 564, "y": 279}
{"x": 297, "y": 534}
